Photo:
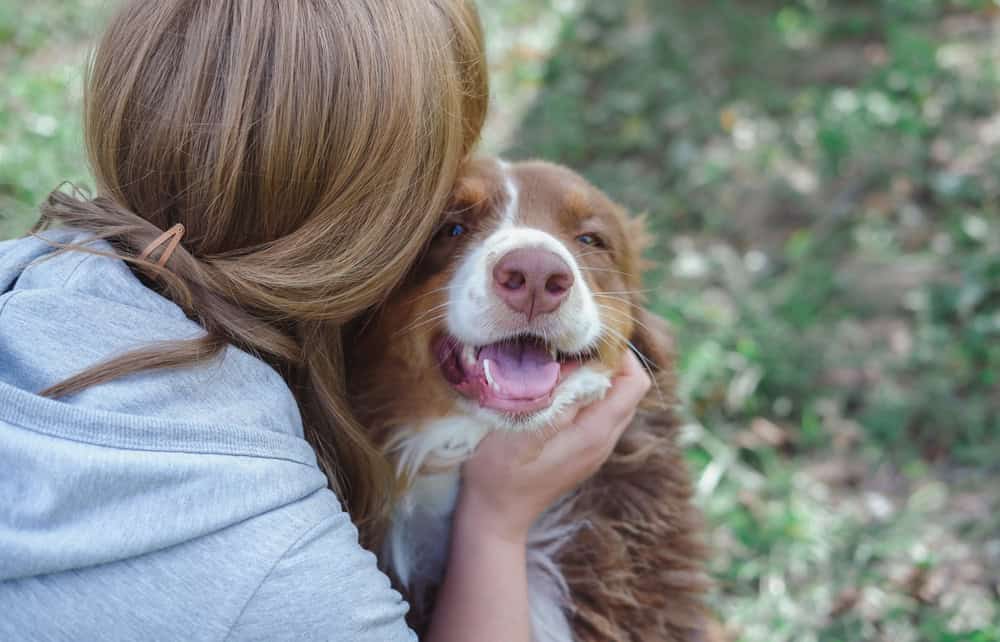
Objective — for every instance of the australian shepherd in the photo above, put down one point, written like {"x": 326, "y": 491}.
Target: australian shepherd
{"x": 523, "y": 304}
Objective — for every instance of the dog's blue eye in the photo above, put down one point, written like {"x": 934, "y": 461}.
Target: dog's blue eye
{"x": 590, "y": 239}
{"x": 454, "y": 230}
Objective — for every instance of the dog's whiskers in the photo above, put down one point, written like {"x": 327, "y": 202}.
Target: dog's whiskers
{"x": 446, "y": 288}
{"x": 430, "y": 311}
{"x": 628, "y": 316}
{"x": 418, "y": 324}
{"x": 614, "y": 298}
{"x": 584, "y": 268}
{"x": 587, "y": 253}
{"x": 646, "y": 362}
{"x": 606, "y": 292}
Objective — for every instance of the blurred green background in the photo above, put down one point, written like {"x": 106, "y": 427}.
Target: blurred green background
{"x": 823, "y": 179}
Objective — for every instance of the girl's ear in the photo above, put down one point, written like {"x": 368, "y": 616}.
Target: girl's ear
{"x": 652, "y": 340}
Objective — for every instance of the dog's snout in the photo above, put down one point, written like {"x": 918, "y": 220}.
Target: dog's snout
{"x": 532, "y": 280}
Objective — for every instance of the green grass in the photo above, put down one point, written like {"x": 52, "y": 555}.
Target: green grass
{"x": 824, "y": 178}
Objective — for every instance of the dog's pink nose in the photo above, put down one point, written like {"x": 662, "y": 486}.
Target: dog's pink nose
{"x": 532, "y": 280}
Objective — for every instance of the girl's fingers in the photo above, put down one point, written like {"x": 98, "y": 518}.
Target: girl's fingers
{"x": 608, "y": 418}
{"x": 596, "y": 428}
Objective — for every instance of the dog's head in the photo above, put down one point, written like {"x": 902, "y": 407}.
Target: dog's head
{"x": 523, "y": 303}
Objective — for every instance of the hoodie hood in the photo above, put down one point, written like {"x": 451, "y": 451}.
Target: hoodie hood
{"x": 140, "y": 463}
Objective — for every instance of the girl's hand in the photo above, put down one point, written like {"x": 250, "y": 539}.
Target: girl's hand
{"x": 514, "y": 477}
{"x": 509, "y": 481}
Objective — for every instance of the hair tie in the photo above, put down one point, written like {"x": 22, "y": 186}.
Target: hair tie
{"x": 174, "y": 235}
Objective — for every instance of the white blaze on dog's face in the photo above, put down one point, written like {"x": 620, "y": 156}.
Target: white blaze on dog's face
{"x": 523, "y": 323}
{"x": 523, "y": 304}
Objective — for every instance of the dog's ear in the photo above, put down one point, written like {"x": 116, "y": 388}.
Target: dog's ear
{"x": 652, "y": 340}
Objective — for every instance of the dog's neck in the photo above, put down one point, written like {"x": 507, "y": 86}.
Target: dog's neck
{"x": 430, "y": 457}
{"x": 417, "y": 544}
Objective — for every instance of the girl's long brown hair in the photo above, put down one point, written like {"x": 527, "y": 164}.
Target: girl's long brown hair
{"x": 308, "y": 147}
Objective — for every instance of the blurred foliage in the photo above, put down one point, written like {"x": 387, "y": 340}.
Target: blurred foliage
{"x": 42, "y": 52}
{"x": 823, "y": 179}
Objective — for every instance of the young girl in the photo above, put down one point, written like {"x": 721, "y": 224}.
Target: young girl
{"x": 175, "y": 444}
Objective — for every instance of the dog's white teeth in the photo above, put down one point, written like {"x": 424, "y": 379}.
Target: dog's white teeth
{"x": 489, "y": 376}
{"x": 469, "y": 356}
{"x": 553, "y": 353}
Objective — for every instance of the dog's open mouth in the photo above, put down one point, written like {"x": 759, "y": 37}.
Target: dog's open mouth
{"x": 517, "y": 376}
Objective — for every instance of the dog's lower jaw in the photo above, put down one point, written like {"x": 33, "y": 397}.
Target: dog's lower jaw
{"x": 582, "y": 386}
{"x": 416, "y": 546}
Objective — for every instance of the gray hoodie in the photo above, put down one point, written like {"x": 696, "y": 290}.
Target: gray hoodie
{"x": 174, "y": 505}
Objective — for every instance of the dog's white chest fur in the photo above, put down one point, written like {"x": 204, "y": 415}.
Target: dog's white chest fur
{"x": 417, "y": 544}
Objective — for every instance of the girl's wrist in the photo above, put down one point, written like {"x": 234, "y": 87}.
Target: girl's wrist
{"x": 466, "y": 607}
{"x": 476, "y": 520}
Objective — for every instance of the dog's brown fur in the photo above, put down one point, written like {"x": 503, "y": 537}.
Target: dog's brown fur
{"x": 635, "y": 571}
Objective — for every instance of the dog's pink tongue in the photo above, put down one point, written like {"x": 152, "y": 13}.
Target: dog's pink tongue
{"x": 520, "y": 370}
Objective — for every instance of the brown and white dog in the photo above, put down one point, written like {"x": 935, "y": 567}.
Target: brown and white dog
{"x": 523, "y": 304}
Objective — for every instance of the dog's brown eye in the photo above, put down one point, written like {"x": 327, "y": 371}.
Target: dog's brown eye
{"x": 592, "y": 240}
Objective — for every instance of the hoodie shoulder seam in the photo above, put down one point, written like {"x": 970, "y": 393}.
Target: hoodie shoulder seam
{"x": 67, "y": 283}
{"x": 277, "y": 562}
{"x": 8, "y": 297}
